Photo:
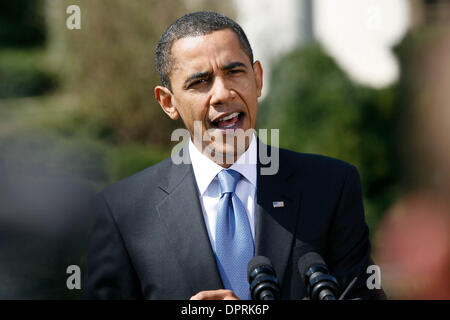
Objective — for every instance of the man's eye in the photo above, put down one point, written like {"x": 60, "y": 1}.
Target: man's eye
{"x": 197, "y": 82}
{"x": 236, "y": 71}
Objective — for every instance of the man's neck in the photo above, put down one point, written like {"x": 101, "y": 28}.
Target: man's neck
{"x": 228, "y": 159}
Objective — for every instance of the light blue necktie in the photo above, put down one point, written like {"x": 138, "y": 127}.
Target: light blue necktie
{"x": 234, "y": 242}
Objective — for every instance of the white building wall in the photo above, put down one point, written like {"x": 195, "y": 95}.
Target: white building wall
{"x": 359, "y": 34}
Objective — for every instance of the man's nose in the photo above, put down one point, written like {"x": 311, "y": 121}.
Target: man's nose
{"x": 221, "y": 92}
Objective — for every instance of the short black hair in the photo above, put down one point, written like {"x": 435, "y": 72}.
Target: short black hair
{"x": 192, "y": 25}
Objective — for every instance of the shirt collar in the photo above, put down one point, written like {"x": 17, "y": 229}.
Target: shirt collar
{"x": 205, "y": 170}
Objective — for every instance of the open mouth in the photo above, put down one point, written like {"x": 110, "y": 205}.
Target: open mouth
{"x": 230, "y": 121}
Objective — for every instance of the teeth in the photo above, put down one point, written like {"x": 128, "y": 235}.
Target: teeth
{"x": 229, "y": 126}
{"x": 231, "y": 116}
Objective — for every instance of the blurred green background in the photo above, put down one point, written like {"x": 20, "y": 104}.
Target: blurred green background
{"x": 81, "y": 102}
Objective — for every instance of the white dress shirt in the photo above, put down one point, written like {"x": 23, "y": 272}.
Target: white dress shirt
{"x": 205, "y": 171}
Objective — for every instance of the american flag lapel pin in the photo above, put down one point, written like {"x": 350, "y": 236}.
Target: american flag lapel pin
{"x": 278, "y": 204}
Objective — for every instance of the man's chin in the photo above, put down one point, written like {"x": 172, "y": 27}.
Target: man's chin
{"x": 224, "y": 154}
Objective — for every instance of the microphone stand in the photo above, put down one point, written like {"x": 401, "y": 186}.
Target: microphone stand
{"x": 352, "y": 283}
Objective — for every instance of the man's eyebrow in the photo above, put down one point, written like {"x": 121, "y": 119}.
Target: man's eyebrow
{"x": 233, "y": 65}
{"x": 198, "y": 75}
{"x": 203, "y": 75}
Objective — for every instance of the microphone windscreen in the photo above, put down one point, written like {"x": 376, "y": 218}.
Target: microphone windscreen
{"x": 256, "y": 262}
{"x": 307, "y": 260}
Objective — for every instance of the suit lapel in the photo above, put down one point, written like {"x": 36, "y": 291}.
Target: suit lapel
{"x": 275, "y": 226}
{"x": 182, "y": 217}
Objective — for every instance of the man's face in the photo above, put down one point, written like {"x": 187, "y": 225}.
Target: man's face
{"x": 214, "y": 82}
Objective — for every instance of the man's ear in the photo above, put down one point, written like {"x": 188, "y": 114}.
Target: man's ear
{"x": 258, "y": 71}
{"x": 164, "y": 97}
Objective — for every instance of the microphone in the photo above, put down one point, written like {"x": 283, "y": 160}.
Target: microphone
{"x": 320, "y": 284}
{"x": 262, "y": 279}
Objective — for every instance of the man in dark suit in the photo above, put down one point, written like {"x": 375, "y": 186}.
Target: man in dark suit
{"x": 187, "y": 230}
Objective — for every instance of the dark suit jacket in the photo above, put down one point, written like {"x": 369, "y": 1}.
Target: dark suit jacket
{"x": 150, "y": 240}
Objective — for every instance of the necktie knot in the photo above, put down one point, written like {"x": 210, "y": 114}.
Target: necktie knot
{"x": 228, "y": 180}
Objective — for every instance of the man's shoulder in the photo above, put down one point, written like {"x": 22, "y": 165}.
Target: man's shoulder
{"x": 309, "y": 162}
{"x": 133, "y": 185}
{"x": 317, "y": 170}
